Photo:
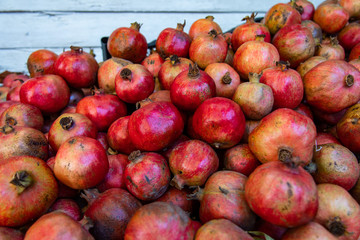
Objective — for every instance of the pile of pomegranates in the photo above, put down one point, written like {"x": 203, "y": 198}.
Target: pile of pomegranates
{"x": 253, "y": 134}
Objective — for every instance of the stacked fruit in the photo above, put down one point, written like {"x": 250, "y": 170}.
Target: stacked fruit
{"x": 241, "y": 135}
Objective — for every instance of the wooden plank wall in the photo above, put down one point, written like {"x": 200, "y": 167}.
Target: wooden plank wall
{"x": 26, "y": 26}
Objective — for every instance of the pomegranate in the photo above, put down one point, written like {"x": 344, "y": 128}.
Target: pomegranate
{"x": 134, "y": 83}
{"x": 272, "y": 230}
{"x": 305, "y": 8}
{"x": 147, "y": 176}
{"x": 281, "y": 15}
{"x": 110, "y": 212}
{"x": 75, "y": 96}
{"x": 108, "y": 71}
{"x": 292, "y": 136}
{"x": 128, "y": 43}
{"x": 78, "y": 68}
{"x": 240, "y": 159}
{"x": 306, "y": 66}
{"x": 7, "y": 233}
{"x": 160, "y": 220}
{"x": 22, "y": 115}
{"x": 171, "y": 68}
{"x": 5, "y": 105}
{"x": 255, "y": 56}
{"x": 173, "y": 42}
{"x": 250, "y": 125}
{"x": 221, "y": 229}
{"x": 158, "y": 96}
{"x": 355, "y": 52}
{"x": 349, "y": 36}
{"x": 81, "y": 162}
{"x": 222, "y": 130}
{"x": 207, "y": 49}
{"x": 167, "y": 151}
{"x": 352, "y": 7}
{"x": 13, "y": 80}
{"x": 248, "y": 31}
{"x": 22, "y": 141}
{"x": 49, "y": 93}
{"x": 329, "y": 80}
{"x": 28, "y": 189}
{"x": 14, "y": 94}
{"x": 153, "y": 63}
{"x": 324, "y": 138}
{"x": 57, "y": 225}
{"x": 348, "y": 128}
{"x": 118, "y": 136}
{"x": 225, "y": 77}
{"x": 331, "y": 17}
{"x": 192, "y": 162}
{"x": 304, "y": 110}
{"x": 315, "y": 30}
{"x": 291, "y": 199}
{"x": 70, "y": 125}
{"x": 332, "y": 50}
{"x": 203, "y": 26}
{"x": 67, "y": 206}
{"x": 328, "y": 118}
{"x": 338, "y": 211}
{"x": 191, "y": 88}
{"x": 155, "y": 126}
{"x": 41, "y": 62}
{"x": 255, "y": 99}
{"x": 310, "y": 231}
{"x": 178, "y": 198}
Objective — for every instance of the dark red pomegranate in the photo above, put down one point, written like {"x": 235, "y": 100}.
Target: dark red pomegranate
{"x": 160, "y": 220}
{"x": 304, "y": 110}
{"x": 248, "y": 31}
{"x": 220, "y": 122}
{"x": 118, "y": 136}
{"x": 191, "y": 88}
{"x": 349, "y": 36}
{"x": 203, "y": 26}
{"x": 67, "y": 206}
{"x": 147, "y": 176}
{"x": 78, "y": 68}
{"x": 328, "y": 118}
{"x": 331, "y": 17}
{"x": 330, "y": 50}
{"x": 41, "y": 62}
{"x": 240, "y": 159}
{"x": 348, "y": 128}
{"x": 274, "y": 231}
{"x": 192, "y": 162}
{"x": 128, "y": 43}
{"x": 153, "y": 63}
{"x": 290, "y": 200}
{"x": 110, "y": 212}
{"x": 155, "y": 126}
{"x": 173, "y": 41}
{"x": 81, "y": 162}
{"x": 13, "y": 80}
{"x": 179, "y": 198}
{"x": 355, "y": 52}
{"x": 134, "y": 83}
{"x": 207, "y": 49}
{"x": 324, "y": 138}
{"x": 7, "y": 233}
{"x": 102, "y": 109}
{"x": 50, "y": 93}
{"x": 310, "y": 231}
{"x": 306, "y": 66}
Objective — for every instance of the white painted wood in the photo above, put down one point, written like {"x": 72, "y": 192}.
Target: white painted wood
{"x": 142, "y": 5}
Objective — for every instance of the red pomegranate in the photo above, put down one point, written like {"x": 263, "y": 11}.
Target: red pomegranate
{"x": 292, "y": 136}
{"x": 306, "y": 66}
{"x": 305, "y": 8}
{"x": 329, "y": 80}
{"x": 128, "y": 43}
{"x": 179, "y": 198}
{"x": 203, "y": 26}
{"x": 286, "y": 85}
{"x": 207, "y": 49}
{"x": 155, "y": 126}
{"x": 331, "y": 17}
{"x": 290, "y": 200}
{"x": 192, "y": 162}
{"x": 147, "y": 176}
{"x": 348, "y": 128}
{"x": 70, "y": 125}
{"x": 281, "y": 15}
{"x": 81, "y": 162}
{"x": 67, "y": 206}
{"x": 13, "y": 80}
{"x": 5, "y": 105}
{"x": 328, "y": 118}
{"x": 134, "y": 83}
{"x": 331, "y": 50}
{"x": 110, "y": 212}
{"x": 102, "y": 109}
{"x": 191, "y": 88}
{"x": 352, "y": 7}
{"x": 274, "y": 231}
{"x": 158, "y": 96}
{"x": 118, "y": 136}
{"x": 108, "y": 71}
{"x": 255, "y": 56}
{"x": 240, "y": 159}
{"x": 7, "y": 233}
{"x": 304, "y": 110}
{"x": 160, "y": 220}
{"x": 50, "y": 93}
{"x": 324, "y": 138}
{"x": 310, "y": 231}
{"x": 349, "y": 36}
{"x": 172, "y": 67}
{"x": 338, "y": 212}
{"x": 222, "y": 130}
{"x": 41, "y": 62}
{"x": 173, "y": 41}
{"x": 14, "y": 94}
{"x": 248, "y": 31}
{"x": 153, "y": 63}
{"x": 28, "y": 189}
{"x": 355, "y": 52}
{"x": 315, "y": 30}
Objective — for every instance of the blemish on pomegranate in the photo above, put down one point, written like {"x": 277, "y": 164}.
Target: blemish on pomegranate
{"x": 290, "y": 192}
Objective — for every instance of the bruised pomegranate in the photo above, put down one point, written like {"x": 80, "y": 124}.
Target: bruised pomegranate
{"x": 128, "y": 43}
{"x": 315, "y": 30}
{"x": 41, "y": 62}
{"x": 28, "y": 189}
{"x": 13, "y": 80}
{"x": 160, "y": 220}
{"x": 331, "y": 50}
{"x": 203, "y": 26}
{"x": 153, "y": 63}
{"x": 290, "y": 200}
{"x": 331, "y": 17}
{"x": 309, "y": 231}
{"x": 67, "y": 206}
{"x": 110, "y": 212}
{"x": 147, "y": 176}
{"x": 240, "y": 159}
{"x": 192, "y": 162}
{"x": 118, "y": 136}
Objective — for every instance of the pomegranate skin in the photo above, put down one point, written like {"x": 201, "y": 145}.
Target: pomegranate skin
{"x": 355, "y": 52}
{"x": 352, "y": 7}
{"x": 307, "y": 7}
{"x": 349, "y": 36}
{"x": 7, "y": 233}
{"x": 5, "y": 105}
{"x": 291, "y": 199}
{"x": 160, "y": 221}
{"x": 315, "y": 30}
{"x": 309, "y": 231}
{"x": 155, "y": 126}
{"x": 331, "y": 50}
{"x": 179, "y": 198}
{"x": 306, "y": 66}
{"x": 153, "y": 63}
{"x": 13, "y": 80}
{"x": 67, "y": 206}
{"x": 49, "y": 93}
{"x": 324, "y": 138}
{"x": 191, "y": 163}
{"x": 304, "y": 110}
{"x": 331, "y": 17}
{"x": 41, "y": 62}
{"x": 203, "y": 26}
{"x": 220, "y": 122}
{"x": 118, "y": 136}
{"x": 240, "y": 159}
